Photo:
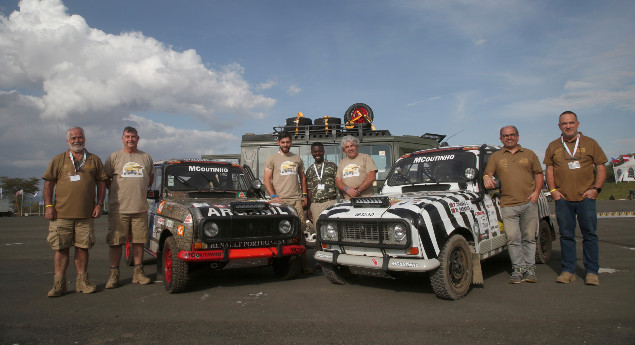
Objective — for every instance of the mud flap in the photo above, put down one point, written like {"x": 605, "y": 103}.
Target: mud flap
{"x": 477, "y": 276}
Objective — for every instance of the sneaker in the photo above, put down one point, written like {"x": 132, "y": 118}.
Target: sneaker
{"x": 113, "y": 281}
{"x": 592, "y": 279}
{"x": 565, "y": 278}
{"x": 82, "y": 284}
{"x": 517, "y": 276}
{"x": 59, "y": 287}
{"x": 139, "y": 277}
{"x": 529, "y": 275}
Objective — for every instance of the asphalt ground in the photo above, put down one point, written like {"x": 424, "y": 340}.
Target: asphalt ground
{"x": 251, "y": 306}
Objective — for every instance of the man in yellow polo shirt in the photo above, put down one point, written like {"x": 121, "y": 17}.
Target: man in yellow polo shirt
{"x": 520, "y": 175}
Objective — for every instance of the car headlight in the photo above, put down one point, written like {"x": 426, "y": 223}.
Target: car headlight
{"x": 210, "y": 229}
{"x": 399, "y": 232}
{"x": 284, "y": 226}
{"x": 330, "y": 231}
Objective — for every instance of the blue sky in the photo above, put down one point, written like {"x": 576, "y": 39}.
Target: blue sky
{"x": 193, "y": 76}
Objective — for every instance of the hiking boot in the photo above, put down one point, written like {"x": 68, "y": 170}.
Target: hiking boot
{"x": 565, "y": 277}
{"x": 592, "y": 279}
{"x": 140, "y": 277}
{"x": 83, "y": 285}
{"x": 113, "y": 281}
{"x": 529, "y": 275}
{"x": 59, "y": 286}
{"x": 517, "y": 276}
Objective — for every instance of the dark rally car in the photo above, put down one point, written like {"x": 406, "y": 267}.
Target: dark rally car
{"x": 211, "y": 212}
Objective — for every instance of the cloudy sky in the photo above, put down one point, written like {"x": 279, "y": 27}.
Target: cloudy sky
{"x": 193, "y": 76}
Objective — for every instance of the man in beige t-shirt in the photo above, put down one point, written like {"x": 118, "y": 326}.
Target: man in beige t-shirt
{"x": 356, "y": 172}
{"x": 130, "y": 172}
{"x": 285, "y": 181}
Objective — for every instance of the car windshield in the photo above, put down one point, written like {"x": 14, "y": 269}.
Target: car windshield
{"x": 206, "y": 177}
{"x": 433, "y": 167}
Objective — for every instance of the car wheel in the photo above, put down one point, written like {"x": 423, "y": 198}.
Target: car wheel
{"x": 287, "y": 267}
{"x": 340, "y": 275}
{"x": 128, "y": 252}
{"x": 175, "y": 271}
{"x": 543, "y": 243}
{"x": 452, "y": 280}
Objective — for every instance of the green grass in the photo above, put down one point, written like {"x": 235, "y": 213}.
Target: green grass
{"x": 618, "y": 190}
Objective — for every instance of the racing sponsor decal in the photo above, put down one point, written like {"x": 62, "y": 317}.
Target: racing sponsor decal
{"x": 463, "y": 206}
{"x": 375, "y": 262}
{"x": 160, "y": 208}
{"x": 424, "y": 159}
{"x": 160, "y": 220}
{"x": 188, "y": 219}
{"x": 365, "y": 214}
{"x": 180, "y": 230}
{"x": 246, "y": 244}
{"x": 169, "y": 223}
{"x": 203, "y": 204}
{"x": 225, "y": 212}
{"x": 404, "y": 264}
{"x": 241, "y": 195}
{"x": 207, "y": 169}
{"x": 132, "y": 169}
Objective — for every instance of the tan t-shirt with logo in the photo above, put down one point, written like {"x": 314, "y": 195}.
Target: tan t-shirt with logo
{"x": 516, "y": 173}
{"x": 354, "y": 171}
{"x": 130, "y": 173}
{"x": 285, "y": 174}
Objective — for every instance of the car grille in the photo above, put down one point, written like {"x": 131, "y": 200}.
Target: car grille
{"x": 370, "y": 234}
{"x": 250, "y": 229}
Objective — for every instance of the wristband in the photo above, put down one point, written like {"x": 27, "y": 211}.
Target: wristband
{"x": 485, "y": 175}
{"x": 274, "y": 196}
{"x": 48, "y": 206}
{"x": 305, "y": 194}
{"x": 551, "y": 191}
{"x": 345, "y": 189}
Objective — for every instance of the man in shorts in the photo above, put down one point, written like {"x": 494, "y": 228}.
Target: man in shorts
{"x": 72, "y": 178}
{"x": 285, "y": 182}
{"x": 130, "y": 173}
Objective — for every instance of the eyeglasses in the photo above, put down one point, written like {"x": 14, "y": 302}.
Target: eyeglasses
{"x": 505, "y": 136}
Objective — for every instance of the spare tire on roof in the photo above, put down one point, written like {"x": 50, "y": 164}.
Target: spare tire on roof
{"x": 358, "y": 113}
{"x": 295, "y": 125}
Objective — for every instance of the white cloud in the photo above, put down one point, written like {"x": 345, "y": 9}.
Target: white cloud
{"x": 293, "y": 90}
{"x": 78, "y": 70}
{"x": 575, "y": 84}
{"x": 57, "y": 71}
{"x": 266, "y": 85}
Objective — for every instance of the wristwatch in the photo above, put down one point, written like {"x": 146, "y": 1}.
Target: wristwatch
{"x": 598, "y": 189}
{"x": 102, "y": 204}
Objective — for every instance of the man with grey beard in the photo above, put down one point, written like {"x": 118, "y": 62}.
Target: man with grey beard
{"x": 72, "y": 178}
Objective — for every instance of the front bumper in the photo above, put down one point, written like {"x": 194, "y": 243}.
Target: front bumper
{"x": 377, "y": 263}
{"x": 239, "y": 253}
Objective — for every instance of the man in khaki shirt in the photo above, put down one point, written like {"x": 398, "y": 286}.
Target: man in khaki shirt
{"x": 571, "y": 161}
{"x": 72, "y": 177}
{"x": 356, "y": 172}
{"x": 520, "y": 175}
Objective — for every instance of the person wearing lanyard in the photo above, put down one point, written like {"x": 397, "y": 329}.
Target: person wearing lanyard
{"x": 72, "y": 178}
{"x": 320, "y": 180}
{"x": 571, "y": 161}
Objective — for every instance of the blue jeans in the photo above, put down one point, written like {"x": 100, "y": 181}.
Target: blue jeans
{"x": 520, "y": 224}
{"x": 585, "y": 211}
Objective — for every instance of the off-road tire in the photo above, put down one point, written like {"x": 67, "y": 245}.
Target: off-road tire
{"x": 453, "y": 279}
{"x": 175, "y": 271}
{"x": 287, "y": 267}
{"x": 363, "y": 108}
{"x": 543, "y": 243}
{"x": 340, "y": 275}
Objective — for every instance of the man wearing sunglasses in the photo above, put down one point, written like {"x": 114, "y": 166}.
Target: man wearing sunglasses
{"x": 571, "y": 161}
